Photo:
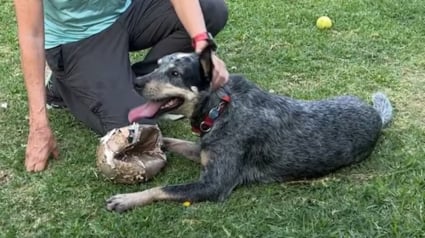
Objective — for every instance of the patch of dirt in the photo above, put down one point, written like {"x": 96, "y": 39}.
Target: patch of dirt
{"x": 415, "y": 80}
{"x": 408, "y": 100}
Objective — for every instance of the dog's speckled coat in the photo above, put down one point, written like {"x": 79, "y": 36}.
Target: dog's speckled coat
{"x": 259, "y": 137}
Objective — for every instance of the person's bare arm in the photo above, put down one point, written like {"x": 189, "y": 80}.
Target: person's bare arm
{"x": 190, "y": 14}
{"x": 41, "y": 142}
{"x": 29, "y": 15}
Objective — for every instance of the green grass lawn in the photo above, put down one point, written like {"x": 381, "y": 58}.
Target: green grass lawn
{"x": 374, "y": 45}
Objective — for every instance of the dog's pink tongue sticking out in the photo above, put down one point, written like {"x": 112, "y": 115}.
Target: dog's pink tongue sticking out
{"x": 153, "y": 108}
{"x": 147, "y": 110}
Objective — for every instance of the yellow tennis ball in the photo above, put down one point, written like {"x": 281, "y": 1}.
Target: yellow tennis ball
{"x": 186, "y": 204}
{"x": 324, "y": 22}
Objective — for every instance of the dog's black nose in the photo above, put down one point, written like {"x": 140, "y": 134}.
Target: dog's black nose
{"x": 140, "y": 82}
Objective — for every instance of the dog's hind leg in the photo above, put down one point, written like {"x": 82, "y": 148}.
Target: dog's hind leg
{"x": 188, "y": 149}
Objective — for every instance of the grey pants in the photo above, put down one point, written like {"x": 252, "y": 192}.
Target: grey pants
{"x": 94, "y": 76}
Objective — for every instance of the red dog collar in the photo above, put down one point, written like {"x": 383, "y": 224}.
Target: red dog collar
{"x": 208, "y": 122}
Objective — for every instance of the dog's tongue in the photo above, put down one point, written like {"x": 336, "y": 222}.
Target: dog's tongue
{"x": 146, "y": 110}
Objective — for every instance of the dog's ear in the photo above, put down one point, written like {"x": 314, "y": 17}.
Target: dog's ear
{"x": 205, "y": 60}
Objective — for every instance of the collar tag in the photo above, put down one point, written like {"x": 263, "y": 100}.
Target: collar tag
{"x": 206, "y": 125}
{"x": 214, "y": 113}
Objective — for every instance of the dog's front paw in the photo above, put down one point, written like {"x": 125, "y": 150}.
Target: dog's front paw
{"x": 123, "y": 202}
{"x": 120, "y": 203}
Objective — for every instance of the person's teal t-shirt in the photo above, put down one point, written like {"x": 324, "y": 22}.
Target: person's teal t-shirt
{"x": 68, "y": 21}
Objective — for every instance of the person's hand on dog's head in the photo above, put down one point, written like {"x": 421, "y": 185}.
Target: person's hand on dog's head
{"x": 220, "y": 75}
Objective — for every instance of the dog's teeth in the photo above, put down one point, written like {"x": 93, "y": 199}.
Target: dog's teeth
{"x": 169, "y": 103}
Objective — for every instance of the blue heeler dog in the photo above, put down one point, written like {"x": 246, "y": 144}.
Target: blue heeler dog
{"x": 249, "y": 135}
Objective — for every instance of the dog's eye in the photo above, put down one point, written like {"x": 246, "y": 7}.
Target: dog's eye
{"x": 175, "y": 73}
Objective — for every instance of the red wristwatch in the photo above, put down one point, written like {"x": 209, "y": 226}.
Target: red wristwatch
{"x": 204, "y": 36}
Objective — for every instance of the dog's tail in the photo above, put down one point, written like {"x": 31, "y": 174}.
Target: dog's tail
{"x": 383, "y": 106}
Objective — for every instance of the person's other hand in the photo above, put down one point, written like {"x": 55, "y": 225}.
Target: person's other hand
{"x": 220, "y": 73}
{"x": 40, "y": 145}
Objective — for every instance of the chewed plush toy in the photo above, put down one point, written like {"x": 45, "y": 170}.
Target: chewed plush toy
{"x": 131, "y": 154}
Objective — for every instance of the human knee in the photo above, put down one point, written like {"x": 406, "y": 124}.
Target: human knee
{"x": 215, "y": 13}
